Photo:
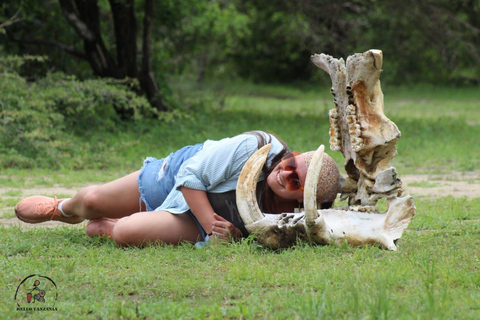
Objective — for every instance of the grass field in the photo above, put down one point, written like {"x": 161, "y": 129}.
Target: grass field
{"x": 435, "y": 274}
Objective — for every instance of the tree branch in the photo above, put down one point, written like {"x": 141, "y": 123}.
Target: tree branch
{"x": 69, "y": 49}
{"x": 12, "y": 20}
{"x": 84, "y": 17}
{"x": 72, "y": 17}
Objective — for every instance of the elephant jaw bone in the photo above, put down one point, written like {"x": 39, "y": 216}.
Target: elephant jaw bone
{"x": 317, "y": 226}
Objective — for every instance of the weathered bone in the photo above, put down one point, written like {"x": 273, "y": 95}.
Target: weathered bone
{"x": 318, "y": 226}
{"x": 248, "y": 182}
{"x": 359, "y": 127}
{"x": 338, "y": 73}
{"x": 317, "y": 230}
{"x": 367, "y": 139}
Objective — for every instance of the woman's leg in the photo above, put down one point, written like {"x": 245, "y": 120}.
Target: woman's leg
{"x": 115, "y": 199}
{"x": 143, "y": 228}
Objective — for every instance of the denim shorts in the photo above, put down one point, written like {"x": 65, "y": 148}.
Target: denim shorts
{"x": 153, "y": 186}
{"x": 157, "y": 178}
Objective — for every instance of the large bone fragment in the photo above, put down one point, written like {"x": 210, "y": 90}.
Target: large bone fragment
{"x": 367, "y": 139}
{"x": 318, "y": 226}
{"x": 336, "y": 68}
{"x": 359, "y": 127}
{"x": 248, "y": 181}
{"x": 359, "y": 228}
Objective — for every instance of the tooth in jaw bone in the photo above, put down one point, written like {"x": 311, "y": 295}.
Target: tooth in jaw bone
{"x": 335, "y": 135}
{"x": 333, "y": 114}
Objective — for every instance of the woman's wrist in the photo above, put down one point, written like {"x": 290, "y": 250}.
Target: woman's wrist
{"x": 200, "y": 207}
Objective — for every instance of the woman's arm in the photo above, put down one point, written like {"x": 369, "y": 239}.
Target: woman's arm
{"x": 214, "y": 166}
{"x": 209, "y": 168}
{"x": 200, "y": 206}
{"x": 211, "y": 222}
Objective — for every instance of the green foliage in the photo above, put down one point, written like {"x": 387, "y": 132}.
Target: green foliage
{"x": 46, "y": 122}
{"x": 29, "y": 128}
{"x": 270, "y": 41}
{"x": 76, "y": 126}
{"x": 437, "y": 49}
{"x": 275, "y": 48}
{"x": 42, "y": 21}
{"x": 196, "y": 37}
{"x": 93, "y": 104}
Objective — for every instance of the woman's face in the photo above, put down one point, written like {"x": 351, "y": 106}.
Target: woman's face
{"x": 284, "y": 179}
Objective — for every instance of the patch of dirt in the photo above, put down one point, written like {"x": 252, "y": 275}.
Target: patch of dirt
{"x": 6, "y": 213}
{"x": 456, "y": 184}
{"x": 49, "y": 224}
{"x": 423, "y": 186}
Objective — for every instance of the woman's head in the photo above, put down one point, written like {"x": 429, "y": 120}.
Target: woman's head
{"x": 287, "y": 178}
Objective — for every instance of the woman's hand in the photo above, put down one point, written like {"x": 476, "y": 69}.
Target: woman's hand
{"x": 224, "y": 230}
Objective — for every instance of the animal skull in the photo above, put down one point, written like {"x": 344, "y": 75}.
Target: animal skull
{"x": 367, "y": 139}
{"x": 359, "y": 127}
{"x": 328, "y": 226}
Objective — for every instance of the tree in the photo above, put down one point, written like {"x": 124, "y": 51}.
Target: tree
{"x": 434, "y": 41}
{"x": 85, "y": 17}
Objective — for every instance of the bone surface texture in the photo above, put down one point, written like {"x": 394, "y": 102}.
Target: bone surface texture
{"x": 367, "y": 140}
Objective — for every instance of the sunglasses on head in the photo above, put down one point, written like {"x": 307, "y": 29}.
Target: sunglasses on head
{"x": 289, "y": 163}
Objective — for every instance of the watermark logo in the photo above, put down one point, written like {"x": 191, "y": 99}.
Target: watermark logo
{"x": 36, "y": 293}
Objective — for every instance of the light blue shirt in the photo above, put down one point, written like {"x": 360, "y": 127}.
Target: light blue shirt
{"x": 216, "y": 168}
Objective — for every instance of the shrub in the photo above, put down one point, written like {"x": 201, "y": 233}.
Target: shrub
{"x": 47, "y": 122}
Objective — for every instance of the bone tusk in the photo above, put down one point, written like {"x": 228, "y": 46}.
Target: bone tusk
{"x": 378, "y": 57}
{"x": 247, "y": 186}
{"x": 310, "y": 191}
{"x": 319, "y": 61}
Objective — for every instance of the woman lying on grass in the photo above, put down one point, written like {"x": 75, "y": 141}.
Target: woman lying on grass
{"x": 188, "y": 195}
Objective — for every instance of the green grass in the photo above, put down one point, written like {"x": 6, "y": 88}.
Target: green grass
{"x": 433, "y": 275}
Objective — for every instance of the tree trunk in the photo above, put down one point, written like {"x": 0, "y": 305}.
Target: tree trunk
{"x": 83, "y": 16}
{"x": 146, "y": 78}
{"x": 126, "y": 36}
